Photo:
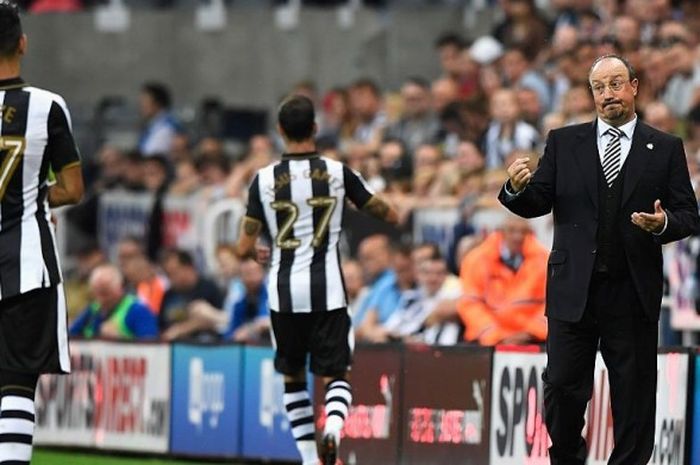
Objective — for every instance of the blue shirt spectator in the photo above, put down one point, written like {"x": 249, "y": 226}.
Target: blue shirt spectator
{"x": 133, "y": 320}
{"x": 383, "y": 296}
{"x": 248, "y": 311}
{"x": 161, "y": 126}
{"x": 114, "y": 313}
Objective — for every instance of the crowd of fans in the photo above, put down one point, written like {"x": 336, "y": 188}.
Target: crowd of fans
{"x": 441, "y": 143}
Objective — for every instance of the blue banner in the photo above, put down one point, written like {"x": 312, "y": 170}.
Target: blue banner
{"x": 695, "y": 439}
{"x": 206, "y": 394}
{"x": 266, "y": 431}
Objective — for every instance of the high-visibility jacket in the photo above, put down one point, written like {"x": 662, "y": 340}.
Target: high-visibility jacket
{"x": 499, "y": 302}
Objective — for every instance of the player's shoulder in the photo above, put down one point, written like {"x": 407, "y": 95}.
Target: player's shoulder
{"x": 47, "y": 96}
{"x": 333, "y": 164}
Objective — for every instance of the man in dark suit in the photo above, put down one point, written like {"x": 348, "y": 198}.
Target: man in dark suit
{"x": 618, "y": 190}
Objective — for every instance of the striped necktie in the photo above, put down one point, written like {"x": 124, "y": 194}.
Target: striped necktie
{"x": 611, "y": 159}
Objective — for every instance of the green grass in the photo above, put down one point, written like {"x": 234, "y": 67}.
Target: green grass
{"x": 53, "y": 457}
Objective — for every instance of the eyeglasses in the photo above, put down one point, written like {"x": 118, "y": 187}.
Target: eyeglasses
{"x": 615, "y": 86}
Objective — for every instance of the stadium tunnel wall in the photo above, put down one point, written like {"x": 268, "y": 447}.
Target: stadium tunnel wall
{"x": 412, "y": 404}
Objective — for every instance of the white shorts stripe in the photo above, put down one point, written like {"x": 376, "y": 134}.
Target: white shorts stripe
{"x": 62, "y": 336}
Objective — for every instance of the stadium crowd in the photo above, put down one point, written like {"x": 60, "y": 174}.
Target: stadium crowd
{"x": 442, "y": 144}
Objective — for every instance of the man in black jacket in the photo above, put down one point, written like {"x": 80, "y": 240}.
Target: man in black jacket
{"x": 618, "y": 190}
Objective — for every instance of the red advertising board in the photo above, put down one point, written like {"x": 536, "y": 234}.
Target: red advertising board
{"x": 371, "y": 433}
{"x": 446, "y": 405}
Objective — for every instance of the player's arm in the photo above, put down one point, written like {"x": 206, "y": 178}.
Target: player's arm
{"x": 63, "y": 157}
{"x": 378, "y": 208}
{"x": 364, "y": 198}
{"x": 247, "y": 237}
{"x": 68, "y": 188}
{"x": 251, "y": 224}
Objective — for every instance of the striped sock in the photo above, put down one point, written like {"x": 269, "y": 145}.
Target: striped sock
{"x": 16, "y": 425}
{"x": 301, "y": 419}
{"x": 338, "y": 401}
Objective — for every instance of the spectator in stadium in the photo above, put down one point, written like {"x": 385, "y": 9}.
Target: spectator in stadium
{"x": 337, "y": 124}
{"x": 141, "y": 275}
{"x": 523, "y": 26}
{"x": 577, "y": 105}
{"x": 186, "y": 180}
{"x": 427, "y": 160}
{"x": 418, "y": 124}
{"x": 452, "y": 180}
{"x": 626, "y": 31}
{"x": 434, "y": 292}
{"x": 228, "y": 277}
{"x": 384, "y": 295}
{"x": 507, "y": 130}
{"x": 519, "y": 72}
{"x": 114, "y": 313}
{"x": 160, "y": 126}
{"x": 250, "y": 315}
{"x": 260, "y": 153}
{"x": 504, "y": 284}
{"x": 88, "y": 256}
{"x": 658, "y": 115}
{"x": 692, "y": 127}
{"x": 354, "y": 284}
{"x": 531, "y": 110}
{"x": 444, "y": 91}
{"x": 156, "y": 179}
{"x": 450, "y": 47}
{"x": 375, "y": 257}
{"x": 187, "y": 286}
{"x": 683, "y": 68}
{"x": 371, "y": 121}
{"x": 630, "y": 193}
{"x": 213, "y": 175}
{"x": 395, "y": 168}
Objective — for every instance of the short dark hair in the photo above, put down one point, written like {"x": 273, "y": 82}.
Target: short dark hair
{"x": 10, "y": 28}
{"x": 296, "y": 117}
{"x": 630, "y": 70}
{"x": 159, "y": 93}
{"x": 418, "y": 81}
{"x": 182, "y": 257}
{"x": 451, "y": 39}
{"x": 367, "y": 83}
{"x": 435, "y": 253}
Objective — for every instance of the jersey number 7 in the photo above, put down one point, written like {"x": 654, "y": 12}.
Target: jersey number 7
{"x": 14, "y": 148}
{"x": 283, "y": 239}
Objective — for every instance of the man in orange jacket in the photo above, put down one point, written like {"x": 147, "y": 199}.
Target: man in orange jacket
{"x": 504, "y": 287}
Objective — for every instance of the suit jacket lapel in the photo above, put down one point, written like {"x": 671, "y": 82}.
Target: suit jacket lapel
{"x": 636, "y": 160}
{"x": 586, "y": 155}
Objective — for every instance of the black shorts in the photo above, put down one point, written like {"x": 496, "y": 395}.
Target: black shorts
{"x": 326, "y": 336}
{"x": 33, "y": 333}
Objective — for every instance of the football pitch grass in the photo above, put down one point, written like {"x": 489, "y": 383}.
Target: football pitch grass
{"x": 56, "y": 457}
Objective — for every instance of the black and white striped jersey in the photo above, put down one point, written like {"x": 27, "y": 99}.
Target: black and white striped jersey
{"x": 35, "y": 138}
{"x": 300, "y": 200}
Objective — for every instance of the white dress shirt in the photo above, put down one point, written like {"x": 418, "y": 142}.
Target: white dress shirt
{"x": 625, "y": 140}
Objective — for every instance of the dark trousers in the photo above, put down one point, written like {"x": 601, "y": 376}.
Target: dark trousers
{"x": 613, "y": 323}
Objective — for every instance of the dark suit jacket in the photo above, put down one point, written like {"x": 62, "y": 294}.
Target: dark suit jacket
{"x": 566, "y": 183}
